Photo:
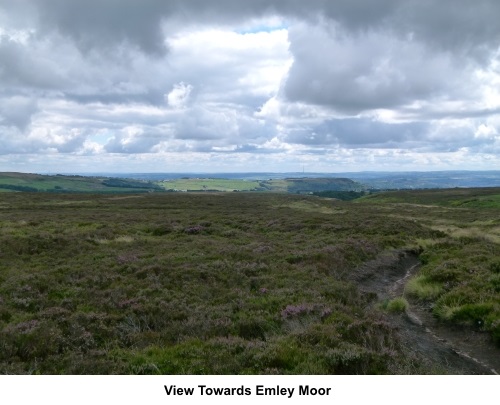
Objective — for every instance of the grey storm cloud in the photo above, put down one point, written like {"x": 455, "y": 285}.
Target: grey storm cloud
{"x": 355, "y": 132}
{"x": 22, "y": 66}
{"x": 96, "y": 23}
{"x": 387, "y": 51}
{"x": 17, "y": 111}
{"x": 368, "y": 70}
{"x": 224, "y": 127}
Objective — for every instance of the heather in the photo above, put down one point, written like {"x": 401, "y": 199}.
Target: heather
{"x": 210, "y": 283}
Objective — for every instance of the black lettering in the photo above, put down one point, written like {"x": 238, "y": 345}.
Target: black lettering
{"x": 305, "y": 390}
{"x": 173, "y": 390}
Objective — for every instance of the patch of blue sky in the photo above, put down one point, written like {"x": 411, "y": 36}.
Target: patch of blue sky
{"x": 263, "y": 26}
{"x": 259, "y": 29}
{"x": 101, "y": 137}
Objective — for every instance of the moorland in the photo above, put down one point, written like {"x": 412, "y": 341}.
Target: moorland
{"x": 247, "y": 282}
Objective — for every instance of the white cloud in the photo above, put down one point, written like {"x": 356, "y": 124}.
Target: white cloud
{"x": 178, "y": 98}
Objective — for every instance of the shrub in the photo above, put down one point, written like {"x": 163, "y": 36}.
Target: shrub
{"x": 295, "y": 310}
{"x": 495, "y": 266}
{"x": 252, "y": 329}
{"x": 193, "y": 230}
{"x": 161, "y": 230}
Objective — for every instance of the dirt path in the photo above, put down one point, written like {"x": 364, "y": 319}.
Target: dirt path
{"x": 446, "y": 349}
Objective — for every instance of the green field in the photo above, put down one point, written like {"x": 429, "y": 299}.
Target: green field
{"x": 209, "y": 185}
{"x": 302, "y": 185}
{"x": 235, "y": 283}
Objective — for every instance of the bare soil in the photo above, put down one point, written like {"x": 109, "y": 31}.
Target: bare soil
{"x": 444, "y": 348}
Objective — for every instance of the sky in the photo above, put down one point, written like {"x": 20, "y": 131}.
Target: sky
{"x": 244, "y": 86}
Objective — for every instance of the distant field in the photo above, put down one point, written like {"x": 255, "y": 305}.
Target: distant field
{"x": 302, "y": 185}
{"x": 209, "y": 184}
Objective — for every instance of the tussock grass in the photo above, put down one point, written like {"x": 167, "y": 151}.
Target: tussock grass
{"x": 397, "y": 305}
{"x": 490, "y": 233}
{"x": 423, "y": 288}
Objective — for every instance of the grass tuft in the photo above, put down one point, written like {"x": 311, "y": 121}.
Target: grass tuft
{"x": 423, "y": 288}
{"x": 397, "y": 305}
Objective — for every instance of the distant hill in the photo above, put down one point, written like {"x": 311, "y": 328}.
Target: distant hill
{"x": 420, "y": 180}
{"x": 28, "y": 182}
{"x": 325, "y": 184}
{"x": 370, "y": 180}
{"x": 274, "y": 182}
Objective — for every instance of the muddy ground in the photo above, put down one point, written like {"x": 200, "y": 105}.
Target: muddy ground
{"x": 444, "y": 349}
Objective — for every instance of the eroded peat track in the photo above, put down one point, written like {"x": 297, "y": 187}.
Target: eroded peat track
{"x": 443, "y": 348}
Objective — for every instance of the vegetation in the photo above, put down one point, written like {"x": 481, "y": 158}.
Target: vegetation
{"x": 195, "y": 184}
{"x": 230, "y": 283}
{"x": 396, "y": 305}
{"x": 317, "y": 183}
{"x": 488, "y": 197}
{"x": 307, "y": 185}
{"x": 127, "y": 183}
{"x": 298, "y": 185}
{"x": 340, "y": 195}
{"x": 64, "y": 184}
{"x": 460, "y": 273}
{"x": 460, "y": 277}
{"x": 428, "y": 180}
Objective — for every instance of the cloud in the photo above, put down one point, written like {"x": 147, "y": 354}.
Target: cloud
{"x": 96, "y": 23}
{"x": 354, "y": 132}
{"x": 178, "y": 98}
{"x": 136, "y": 139}
{"x": 368, "y": 71}
{"x": 17, "y": 111}
{"x": 462, "y": 27}
{"x": 105, "y": 24}
{"x": 269, "y": 82}
{"x": 25, "y": 64}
